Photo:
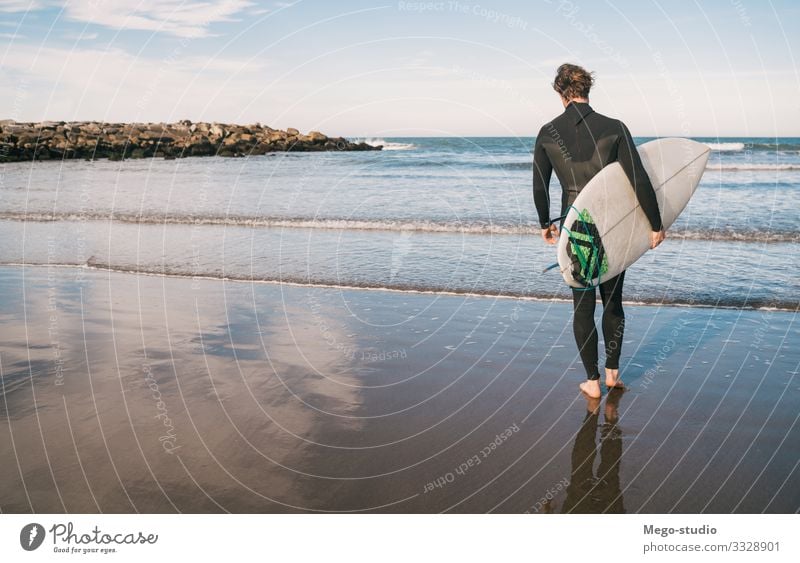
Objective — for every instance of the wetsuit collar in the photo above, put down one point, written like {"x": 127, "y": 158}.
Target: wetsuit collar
{"x": 577, "y": 111}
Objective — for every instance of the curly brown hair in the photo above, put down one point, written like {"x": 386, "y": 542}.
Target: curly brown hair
{"x": 573, "y": 81}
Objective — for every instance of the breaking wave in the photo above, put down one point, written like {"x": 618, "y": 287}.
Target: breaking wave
{"x": 468, "y": 226}
{"x": 387, "y": 145}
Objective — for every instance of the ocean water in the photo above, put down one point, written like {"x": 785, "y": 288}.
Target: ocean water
{"x": 426, "y": 214}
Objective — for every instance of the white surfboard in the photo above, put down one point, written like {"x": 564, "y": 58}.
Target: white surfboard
{"x": 620, "y": 234}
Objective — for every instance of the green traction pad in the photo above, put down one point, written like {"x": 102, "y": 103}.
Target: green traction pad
{"x": 585, "y": 250}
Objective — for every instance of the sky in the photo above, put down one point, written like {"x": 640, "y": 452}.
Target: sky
{"x": 388, "y": 69}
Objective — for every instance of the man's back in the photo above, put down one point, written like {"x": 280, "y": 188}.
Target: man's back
{"x": 577, "y": 145}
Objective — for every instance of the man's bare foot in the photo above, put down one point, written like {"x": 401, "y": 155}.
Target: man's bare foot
{"x": 591, "y": 387}
{"x": 612, "y": 379}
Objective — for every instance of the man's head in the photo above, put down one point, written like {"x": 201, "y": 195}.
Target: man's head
{"x": 573, "y": 82}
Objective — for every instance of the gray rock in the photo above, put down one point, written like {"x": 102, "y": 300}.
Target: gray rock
{"x": 116, "y": 141}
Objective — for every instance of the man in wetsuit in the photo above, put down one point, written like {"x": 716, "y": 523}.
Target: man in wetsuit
{"x": 577, "y": 145}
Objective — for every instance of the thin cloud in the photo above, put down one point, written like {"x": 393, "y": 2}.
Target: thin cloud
{"x": 175, "y": 17}
{"x": 80, "y": 36}
{"x": 181, "y": 18}
{"x": 111, "y": 84}
{"x": 12, "y": 6}
{"x": 217, "y": 64}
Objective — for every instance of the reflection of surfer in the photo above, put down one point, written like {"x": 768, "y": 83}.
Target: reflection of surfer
{"x": 587, "y": 493}
{"x": 577, "y": 145}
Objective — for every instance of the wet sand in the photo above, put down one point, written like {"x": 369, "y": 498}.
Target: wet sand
{"x": 125, "y": 393}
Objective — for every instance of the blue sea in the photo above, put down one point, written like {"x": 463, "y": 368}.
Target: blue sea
{"x": 449, "y": 215}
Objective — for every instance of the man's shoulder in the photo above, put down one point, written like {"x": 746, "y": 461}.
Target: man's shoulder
{"x": 560, "y": 119}
{"x": 607, "y": 121}
{"x": 601, "y": 117}
{"x": 550, "y": 129}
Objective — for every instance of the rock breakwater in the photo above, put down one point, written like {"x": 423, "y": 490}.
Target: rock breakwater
{"x": 58, "y": 140}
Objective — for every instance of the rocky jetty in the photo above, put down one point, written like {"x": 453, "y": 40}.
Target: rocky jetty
{"x": 55, "y": 140}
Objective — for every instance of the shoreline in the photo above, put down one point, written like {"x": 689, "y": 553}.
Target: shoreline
{"x": 448, "y": 293}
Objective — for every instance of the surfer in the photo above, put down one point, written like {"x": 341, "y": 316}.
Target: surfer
{"x": 577, "y": 145}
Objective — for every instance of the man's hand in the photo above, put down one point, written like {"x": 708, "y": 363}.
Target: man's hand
{"x": 657, "y": 237}
{"x": 550, "y": 234}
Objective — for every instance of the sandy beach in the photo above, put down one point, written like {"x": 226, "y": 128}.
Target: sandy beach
{"x": 134, "y": 393}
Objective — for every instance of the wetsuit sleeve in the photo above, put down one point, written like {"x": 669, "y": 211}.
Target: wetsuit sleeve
{"x": 542, "y": 171}
{"x": 631, "y": 162}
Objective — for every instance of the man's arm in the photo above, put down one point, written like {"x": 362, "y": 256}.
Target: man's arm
{"x": 542, "y": 170}
{"x": 631, "y": 163}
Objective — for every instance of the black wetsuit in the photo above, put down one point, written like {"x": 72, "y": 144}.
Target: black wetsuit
{"x": 577, "y": 145}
